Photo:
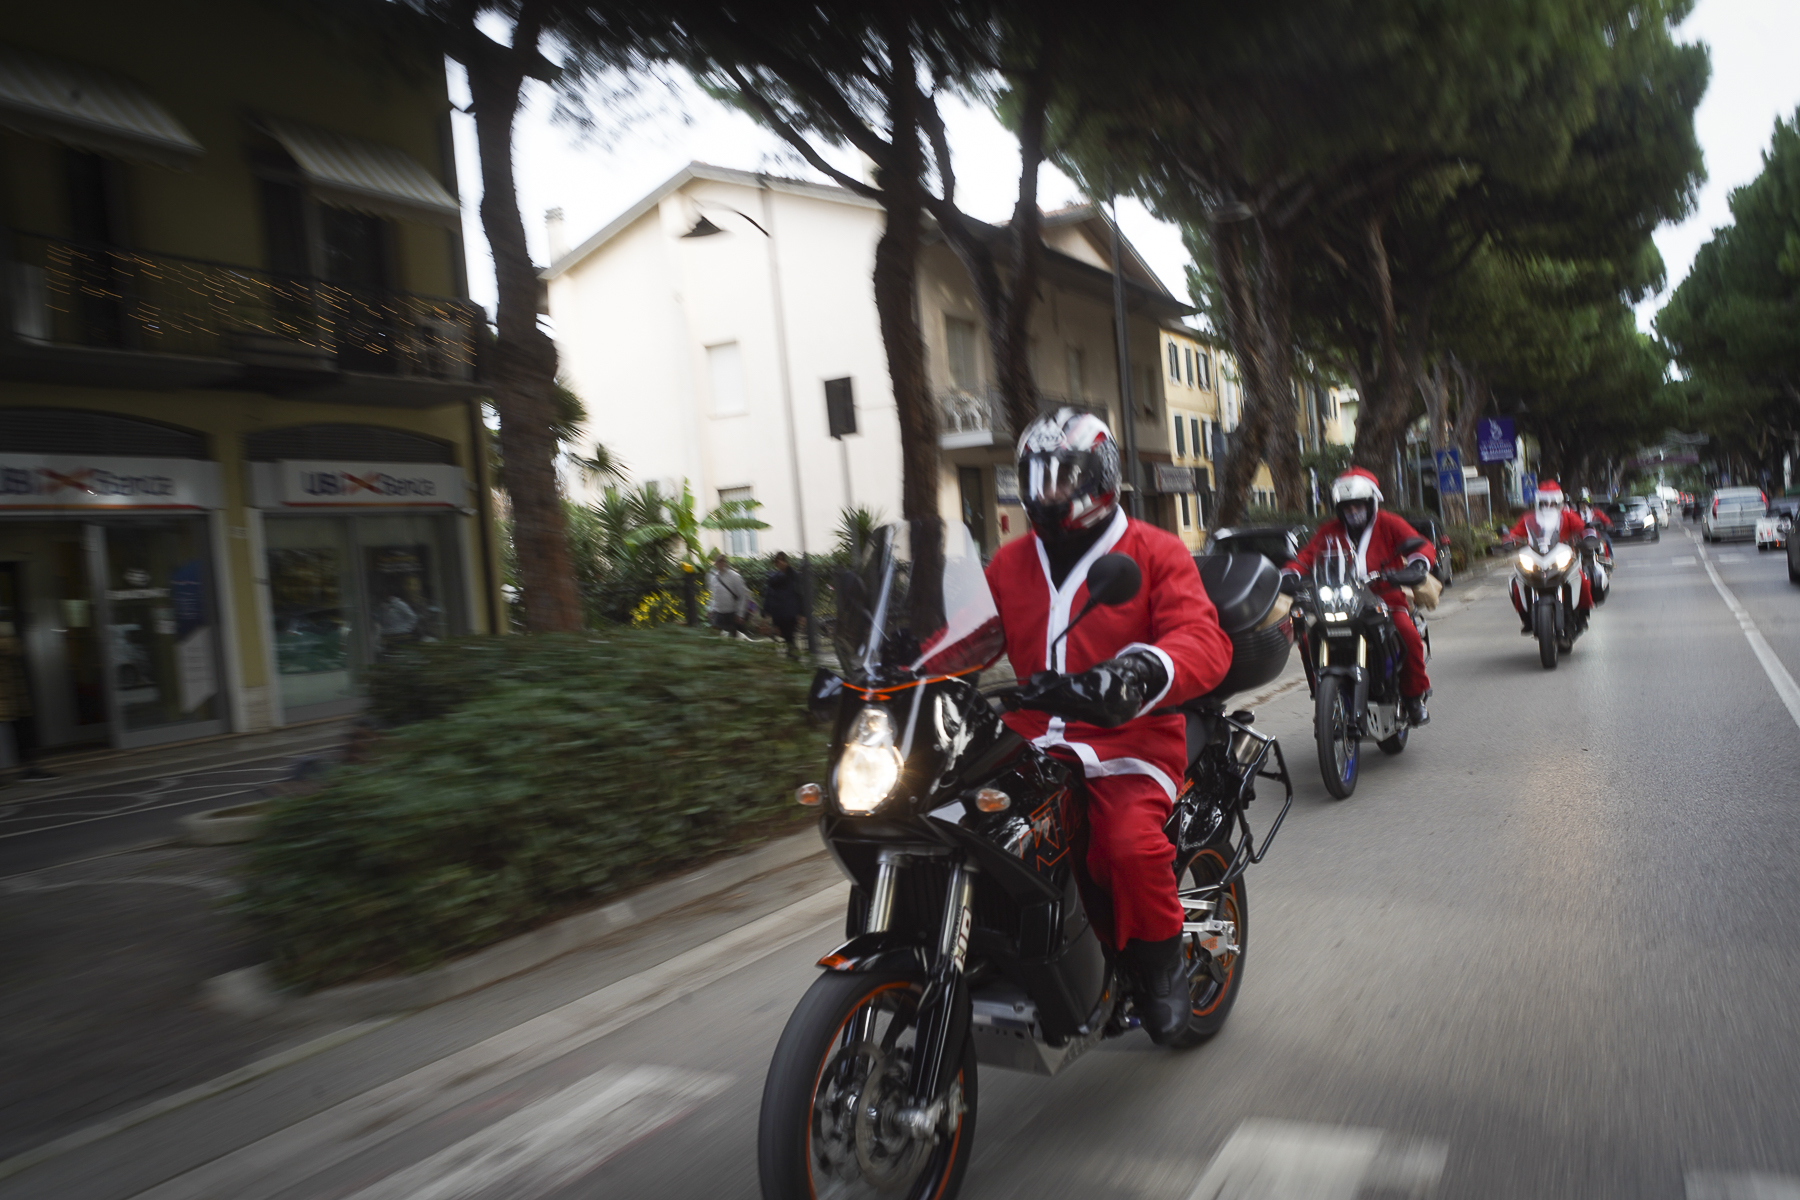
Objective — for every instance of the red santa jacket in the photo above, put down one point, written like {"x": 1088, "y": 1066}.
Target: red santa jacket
{"x": 1377, "y": 550}
{"x": 1170, "y": 617}
{"x": 1573, "y": 527}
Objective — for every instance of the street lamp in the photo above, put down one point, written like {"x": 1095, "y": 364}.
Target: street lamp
{"x": 704, "y": 227}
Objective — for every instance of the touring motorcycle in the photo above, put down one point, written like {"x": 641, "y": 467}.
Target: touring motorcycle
{"x": 969, "y": 937}
{"x": 1546, "y": 584}
{"x": 1353, "y": 658}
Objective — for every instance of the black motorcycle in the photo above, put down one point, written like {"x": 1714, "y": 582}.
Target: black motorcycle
{"x": 1353, "y": 658}
{"x": 969, "y": 936}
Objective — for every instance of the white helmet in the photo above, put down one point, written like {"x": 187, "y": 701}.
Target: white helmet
{"x": 1549, "y": 505}
{"x": 1356, "y": 494}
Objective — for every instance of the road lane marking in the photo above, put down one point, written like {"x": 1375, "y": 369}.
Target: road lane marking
{"x": 1771, "y": 665}
{"x": 554, "y": 1142}
{"x": 1744, "y": 1185}
{"x": 1291, "y": 1160}
{"x": 289, "y": 1156}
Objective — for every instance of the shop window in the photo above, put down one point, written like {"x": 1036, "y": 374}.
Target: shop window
{"x": 160, "y": 630}
{"x": 739, "y": 543}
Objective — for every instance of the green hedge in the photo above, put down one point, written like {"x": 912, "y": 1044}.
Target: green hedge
{"x": 530, "y": 777}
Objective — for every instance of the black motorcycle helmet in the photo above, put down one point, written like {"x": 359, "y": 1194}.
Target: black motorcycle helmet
{"x": 1068, "y": 473}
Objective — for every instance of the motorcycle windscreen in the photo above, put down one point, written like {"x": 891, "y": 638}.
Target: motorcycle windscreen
{"x": 1334, "y": 567}
{"x": 917, "y": 603}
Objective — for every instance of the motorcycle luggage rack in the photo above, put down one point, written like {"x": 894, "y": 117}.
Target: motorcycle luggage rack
{"x": 1246, "y": 854}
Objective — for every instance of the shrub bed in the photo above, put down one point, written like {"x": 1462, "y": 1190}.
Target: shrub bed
{"x": 528, "y": 777}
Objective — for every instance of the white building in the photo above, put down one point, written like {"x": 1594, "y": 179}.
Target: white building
{"x": 712, "y": 326}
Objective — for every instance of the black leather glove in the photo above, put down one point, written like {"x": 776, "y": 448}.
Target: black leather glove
{"x": 1107, "y": 694}
{"x": 1412, "y": 573}
{"x": 1290, "y": 583}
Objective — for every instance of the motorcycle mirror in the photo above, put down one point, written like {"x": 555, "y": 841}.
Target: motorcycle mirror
{"x": 821, "y": 696}
{"x": 1113, "y": 580}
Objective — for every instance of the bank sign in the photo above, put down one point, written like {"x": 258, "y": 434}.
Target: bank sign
{"x": 362, "y": 485}
{"x": 67, "y": 482}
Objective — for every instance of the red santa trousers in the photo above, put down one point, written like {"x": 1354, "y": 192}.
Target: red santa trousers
{"x": 1130, "y": 858}
{"x": 1413, "y": 680}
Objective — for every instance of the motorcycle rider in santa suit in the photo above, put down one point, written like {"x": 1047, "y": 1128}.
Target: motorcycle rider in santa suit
{"x": 1092, "y": 693}
{"x": 1548, "y": 512}
{"x": 1372, "y": 539}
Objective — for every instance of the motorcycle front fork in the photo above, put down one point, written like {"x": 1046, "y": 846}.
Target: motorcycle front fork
{"x": 943, "y": 1013}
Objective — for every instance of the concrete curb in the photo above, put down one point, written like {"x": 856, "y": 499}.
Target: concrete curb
{"x": 252, "y": 992}
{"x": 222, "y": 826}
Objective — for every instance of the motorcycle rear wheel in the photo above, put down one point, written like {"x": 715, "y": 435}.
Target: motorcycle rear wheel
{"x": 1335, "y": 731}
{"x": 1213, "y": 998}
{"x": 827, "y": 1130}
{"x": 1544, "y": 623}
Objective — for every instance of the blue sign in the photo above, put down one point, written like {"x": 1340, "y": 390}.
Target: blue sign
{"x": 1527, "y": 488}
{"x": 1496, "y": 440}
{"x": 1449, "y": 471}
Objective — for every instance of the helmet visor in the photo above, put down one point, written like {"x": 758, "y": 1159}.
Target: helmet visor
{"x": 1052, "y": 479}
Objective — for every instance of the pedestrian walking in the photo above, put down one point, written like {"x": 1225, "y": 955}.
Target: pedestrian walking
{"x": 729, "y": 600}
{"x": 784, "y": 600}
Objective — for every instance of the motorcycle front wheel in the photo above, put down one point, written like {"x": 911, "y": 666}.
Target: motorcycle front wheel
{"x": 1214, "y": 979}
{"x": 830, "y": 1127}
{"x": 1335, "y": 731}
{"x": 1544, "y": 622}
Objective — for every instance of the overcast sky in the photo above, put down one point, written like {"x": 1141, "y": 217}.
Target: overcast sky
{"x": 1754, "y": 80}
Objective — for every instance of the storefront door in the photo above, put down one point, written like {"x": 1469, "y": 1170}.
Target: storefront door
{"x": 47, "y": 608}
{"x": 162, "y": 642}
{"x": 345, "y": 590}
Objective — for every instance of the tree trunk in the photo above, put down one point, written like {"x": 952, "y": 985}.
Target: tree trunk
{"x": 1273, "y": 310}
{"x": 1238, "y": 471}
{"x": 1377, "y": 433}
{"x": 896, "y": 275}
{"x": 523, "y": 371}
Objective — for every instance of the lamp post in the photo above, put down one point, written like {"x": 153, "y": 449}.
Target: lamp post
{"x": 705, "y": 228}
{"x": 1134, "y": 496}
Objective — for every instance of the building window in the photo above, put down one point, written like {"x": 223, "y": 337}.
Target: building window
{"x": 1187, "y": 521}
{"x": 1205, "y": 442}
{"x": 725, "y": 364}
{"x": 964, "y": 352}
{"x": 1180, "y": 437}
{"x": 1174, "y": 362}
{"x": 1187, "y": 356}
{"x": 1204, "y": 365}
{"x": 1076, "y": 367}
{"x": 739, "y": 543}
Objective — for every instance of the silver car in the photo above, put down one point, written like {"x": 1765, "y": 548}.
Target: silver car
{"x": 1732, "y": 513}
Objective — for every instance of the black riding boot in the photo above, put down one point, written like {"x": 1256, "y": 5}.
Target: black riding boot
{"x": 1164, "y": 1004}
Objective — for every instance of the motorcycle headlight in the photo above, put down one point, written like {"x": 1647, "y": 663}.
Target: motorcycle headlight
{"x": 1527, "y": 563}
{"x": 1563, "y": 556}
{"x": 869, "y": 766}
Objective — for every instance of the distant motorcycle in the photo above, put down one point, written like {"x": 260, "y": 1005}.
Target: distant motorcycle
{"x": 1353, "y": 658}
{"x": 1546, "y": 583}
{"x": 969, "y": 936}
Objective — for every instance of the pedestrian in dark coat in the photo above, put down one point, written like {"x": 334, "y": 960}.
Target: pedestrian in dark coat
{"x": 783, "y": 601}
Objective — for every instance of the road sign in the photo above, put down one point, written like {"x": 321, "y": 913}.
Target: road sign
{"x": 1449, "y": 471}
{"x": 1496, "y": 440}
{"x": 1527, "y": 488}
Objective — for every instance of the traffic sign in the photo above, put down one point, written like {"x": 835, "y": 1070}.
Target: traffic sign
{"x": 1496, "y": 440}
{"x": 1449, "y": 471}
{"x": 1528, "y": 488}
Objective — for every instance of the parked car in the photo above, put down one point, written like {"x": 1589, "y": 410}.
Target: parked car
{"x": 1660, "y": 507}
{"x": 1632, "y": 518}
{"x": 1277, "y": 543}
{"x": 1732, "y": 513}
{"x": 1772, "y": 527}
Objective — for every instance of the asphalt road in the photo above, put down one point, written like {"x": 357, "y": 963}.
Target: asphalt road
{"x": 1551, "y": 951}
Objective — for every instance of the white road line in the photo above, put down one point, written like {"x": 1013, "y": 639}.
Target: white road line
{"x": 1771, "y": 665}
{"x": 556, "y": 1141}
{"x": 1723, "y": 1185}
{"x": 289, "y": 1156}
{"x": 1290, "y": 1160}
{"x": 1686, "y": 560}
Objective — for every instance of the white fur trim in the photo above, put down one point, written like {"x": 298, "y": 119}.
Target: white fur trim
{"x": 1062, "y": 600}
{"x": 1092, "y": 767}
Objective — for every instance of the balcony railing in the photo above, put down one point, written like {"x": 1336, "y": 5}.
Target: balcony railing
{"x": 969, "y": 416}
{"x": 84, "y": 294}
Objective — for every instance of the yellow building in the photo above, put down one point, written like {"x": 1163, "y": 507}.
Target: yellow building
{"x": 1191, "y": 381}
{"x": 239, "y": 420}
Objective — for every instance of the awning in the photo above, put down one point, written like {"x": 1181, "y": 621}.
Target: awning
{"x": 352, "y": 172}
{"x": 80, "y": 106}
